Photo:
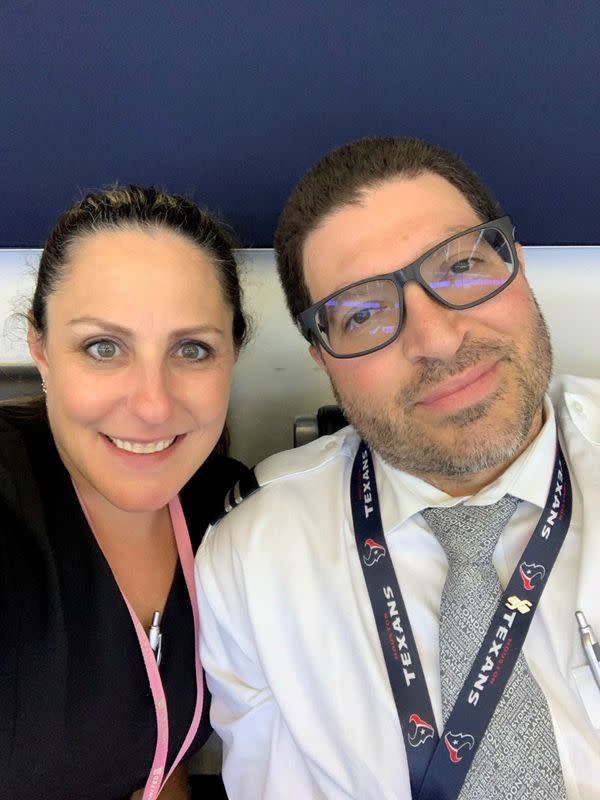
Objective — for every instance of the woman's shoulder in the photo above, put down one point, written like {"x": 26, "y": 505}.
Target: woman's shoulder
{"x": 9, "y": 419}
{"x": 203, "y": 495}
{"x": 23, "y": 419}
{"x": 24, "y": 433}
{"x": 22, "y": 438}
{"x": 15, "y": 432}
{"x": 221, "y": 470}
{"x": 214, "y": 478}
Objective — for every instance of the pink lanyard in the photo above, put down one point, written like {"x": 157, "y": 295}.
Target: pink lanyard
{"x": 157, "y": 779}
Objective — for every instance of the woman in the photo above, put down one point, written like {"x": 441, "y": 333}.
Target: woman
{"x": 135, "y": 326}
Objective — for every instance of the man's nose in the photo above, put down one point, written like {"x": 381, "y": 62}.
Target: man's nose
{"x": 430, "y": 330}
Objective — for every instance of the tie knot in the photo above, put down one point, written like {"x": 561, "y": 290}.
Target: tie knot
{"x": 469, "y": 534}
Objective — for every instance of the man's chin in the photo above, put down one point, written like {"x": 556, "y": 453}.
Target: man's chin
{"x": 472, "y": 440}
{"x": 437, "y": 460}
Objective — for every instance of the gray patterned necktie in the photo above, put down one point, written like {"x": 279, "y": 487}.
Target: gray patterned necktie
{"x": 517, "y": 757}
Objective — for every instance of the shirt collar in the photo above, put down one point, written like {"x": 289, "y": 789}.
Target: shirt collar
{"x": 402, "y": 495}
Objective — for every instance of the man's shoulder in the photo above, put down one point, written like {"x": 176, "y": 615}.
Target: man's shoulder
{"x": 577, "y": 403}
{"x": 564, "y": 385}
{"x": 323, "y": 454}
{"x": 285, "y": 482}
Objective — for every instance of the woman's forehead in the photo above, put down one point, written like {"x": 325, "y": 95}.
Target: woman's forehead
{"x": 136, "y": 273}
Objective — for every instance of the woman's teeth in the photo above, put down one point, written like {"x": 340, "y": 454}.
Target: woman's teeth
{"x": 139, "y": 447}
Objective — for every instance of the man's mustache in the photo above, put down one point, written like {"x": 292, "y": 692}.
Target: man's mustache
{"x": 436, "y": 371}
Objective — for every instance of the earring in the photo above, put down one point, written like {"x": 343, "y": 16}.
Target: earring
{"x": 44, "y": 389}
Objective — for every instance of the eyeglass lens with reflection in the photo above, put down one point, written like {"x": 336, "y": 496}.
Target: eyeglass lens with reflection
{"x": 463, "y": 271}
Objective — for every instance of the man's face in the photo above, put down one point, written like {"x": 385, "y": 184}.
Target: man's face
{"x": 459, "y": 392}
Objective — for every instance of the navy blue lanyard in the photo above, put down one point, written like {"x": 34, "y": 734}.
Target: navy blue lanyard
{"x": 438, "y": 766}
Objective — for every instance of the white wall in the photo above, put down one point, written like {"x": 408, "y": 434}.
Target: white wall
{"x": 17, "y": 270}
{"x": 275, "y": 377}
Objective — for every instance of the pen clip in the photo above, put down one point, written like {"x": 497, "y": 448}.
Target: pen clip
{"x": 582, "y": 622}
{"x": 590, "y": 645}
{"x": 155, "y": 637}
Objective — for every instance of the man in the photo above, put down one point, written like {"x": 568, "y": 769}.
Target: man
{"x": 373, "y": 619}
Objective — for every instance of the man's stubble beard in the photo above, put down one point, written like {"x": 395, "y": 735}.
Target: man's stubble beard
{"x": 404, "y": 442}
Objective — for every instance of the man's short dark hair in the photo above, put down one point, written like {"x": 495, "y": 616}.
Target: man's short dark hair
{"x": 341, "y": 177}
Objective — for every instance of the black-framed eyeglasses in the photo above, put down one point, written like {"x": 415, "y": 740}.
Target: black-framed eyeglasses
{"x": 461, "y": 272}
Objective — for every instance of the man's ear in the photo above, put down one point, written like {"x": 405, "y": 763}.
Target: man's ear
{"x": 317, "y": 356}
{"x": 37, "y": 348}
{"x": 521, "y": 256}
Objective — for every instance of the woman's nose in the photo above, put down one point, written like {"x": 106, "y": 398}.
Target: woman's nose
{"x": 150, "y": 396}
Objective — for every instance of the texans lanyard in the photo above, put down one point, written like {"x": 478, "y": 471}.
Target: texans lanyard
{"x": 438, "y": 766}
{"x": 157, "y": 778}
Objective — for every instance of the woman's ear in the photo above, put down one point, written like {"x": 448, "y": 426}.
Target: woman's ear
{"x": 37, "y": 349}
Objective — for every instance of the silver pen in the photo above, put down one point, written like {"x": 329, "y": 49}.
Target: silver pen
{"x": 590, "y": 645}
{"x": 155, "y": 637}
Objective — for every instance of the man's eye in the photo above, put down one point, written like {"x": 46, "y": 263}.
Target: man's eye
{"x": 461, "y": 266}
{"x": 192, "y": 351}
{"x": 103, "y": 350}
{"x": 359, "y": 318}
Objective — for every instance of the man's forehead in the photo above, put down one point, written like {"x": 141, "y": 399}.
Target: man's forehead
{"x": 390, "y": 226}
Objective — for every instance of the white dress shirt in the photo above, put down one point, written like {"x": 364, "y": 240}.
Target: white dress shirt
{"x": 301, "y": 696}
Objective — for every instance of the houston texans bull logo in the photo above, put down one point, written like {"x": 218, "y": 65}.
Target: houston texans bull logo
{"x": 420, "y": 733}
{"x": 455, "y": 742}
{"x": 373, "y": 552}
{"x": 531, "y": 574}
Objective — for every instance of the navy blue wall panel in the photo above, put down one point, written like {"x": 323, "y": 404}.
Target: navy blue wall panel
{"x": 233, "y": 101}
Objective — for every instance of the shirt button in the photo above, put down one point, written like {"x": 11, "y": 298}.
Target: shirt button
{"x": 578, "y": 407}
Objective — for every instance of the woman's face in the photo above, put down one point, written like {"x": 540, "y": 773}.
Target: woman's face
{"x": 137, "y": 361}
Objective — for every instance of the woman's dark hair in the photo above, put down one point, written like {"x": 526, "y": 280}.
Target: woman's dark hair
{"x": 141, "y": 207}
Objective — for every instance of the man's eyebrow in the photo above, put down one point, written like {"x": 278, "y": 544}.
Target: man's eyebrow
{"x": 359, "y": 295}
{"x": 445, "y": 234}
{"x": 120, "y": 330}
{"x": 448, "y": 233}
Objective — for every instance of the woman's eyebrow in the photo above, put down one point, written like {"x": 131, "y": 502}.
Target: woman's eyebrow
{"x": 197, "y": 330}
{"x": 105, "y": 324}
{"x": 101, "y": 323}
